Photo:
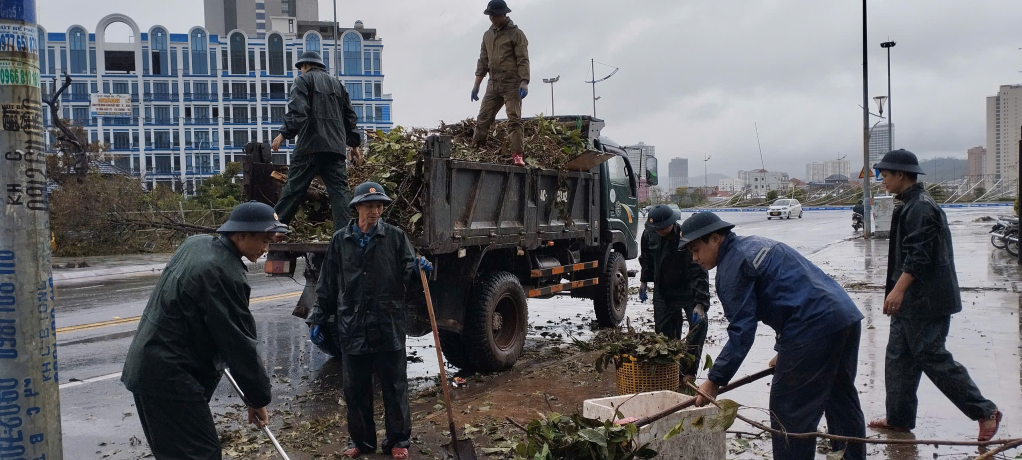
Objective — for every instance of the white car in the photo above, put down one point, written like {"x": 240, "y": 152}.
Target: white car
{"x": 785, "y": 207}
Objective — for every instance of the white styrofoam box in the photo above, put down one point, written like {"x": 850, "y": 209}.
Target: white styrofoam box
{"x": 693, "y": 443}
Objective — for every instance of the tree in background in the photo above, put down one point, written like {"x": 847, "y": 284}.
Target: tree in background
{"x": 771, "y": 195}
{"x": 657, "y": 196}
{"x": 978, "y": 192}
{"x": 937, "y": 192}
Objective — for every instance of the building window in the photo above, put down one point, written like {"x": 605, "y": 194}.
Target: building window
{"x": 377, "y": 65}
{"x": 158, "y": 43}
{"x": 237, "y": 54}
{"x": 79, "y": 61}
{"x": 354, "y": 89}
{"x": 352, "y": 52}
{"x": 42, "y": 51}
{"x": 368, "y": 61}
{"x": 276, "y": 46}
{"x": 378, "y": 89}
{"x": 199, "y": 46}
{"x": 312, "y": 43}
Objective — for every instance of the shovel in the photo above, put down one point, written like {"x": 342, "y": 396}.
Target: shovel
{"x": 456, "y": 449}
{"x": 266, "y": 429}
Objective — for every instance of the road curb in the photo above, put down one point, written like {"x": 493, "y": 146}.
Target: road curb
{"x": 72, "y": 275}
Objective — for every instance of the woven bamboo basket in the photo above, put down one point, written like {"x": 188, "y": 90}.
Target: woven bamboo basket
{"x": 635, "y": 377}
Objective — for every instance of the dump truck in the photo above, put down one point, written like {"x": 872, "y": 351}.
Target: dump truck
{"x": 499, "y": 235}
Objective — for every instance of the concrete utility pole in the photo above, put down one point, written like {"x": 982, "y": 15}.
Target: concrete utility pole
{"x": 29, "y": 399}
{"x": 867, "y": 215}
{"x": 337, "y": 56}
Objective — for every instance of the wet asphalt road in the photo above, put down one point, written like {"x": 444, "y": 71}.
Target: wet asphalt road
{"x": 98, "y": 416}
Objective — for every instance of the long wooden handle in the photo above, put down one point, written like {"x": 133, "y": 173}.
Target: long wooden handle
{"x": 691, "y": 402}
{"x": 439, "y": 353}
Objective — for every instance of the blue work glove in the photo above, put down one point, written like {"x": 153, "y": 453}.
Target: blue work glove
{"x": 698, "y": 314}
{"x": 425, "y": 266}
{"x": 523, "y": 91}
{"x": 316, "y": 334}
{"x": 475, "y": 93}
{"x": 643, "y": 297}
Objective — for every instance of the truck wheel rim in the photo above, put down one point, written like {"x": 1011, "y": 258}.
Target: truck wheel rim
{"x": 505, "y": 323}
{"x": 620, "y": 291}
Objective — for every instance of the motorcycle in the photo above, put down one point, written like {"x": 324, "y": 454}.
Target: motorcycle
{"x": 856, "y": 221}
{"x": 1004, "y": 234}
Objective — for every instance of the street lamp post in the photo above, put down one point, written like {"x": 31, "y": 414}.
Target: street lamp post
{"x": 592, "y": 64}
{"x": 890, "y": 119}
{"x": 552, "y": 81}
{"x": 706, "y": 179}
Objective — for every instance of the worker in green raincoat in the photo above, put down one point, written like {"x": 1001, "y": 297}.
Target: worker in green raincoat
{"x": 196, "y": 323}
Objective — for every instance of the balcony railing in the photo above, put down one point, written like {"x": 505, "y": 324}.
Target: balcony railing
{"x": 165, "y": 96}
{"x": 239, "y": 121}
{"x": 169, "y": 121}
{"x": 120, "y": 121}
{"x": 201, "y": 120}
{"x": 201, "y": 96}
{"x": 160, "y": 145}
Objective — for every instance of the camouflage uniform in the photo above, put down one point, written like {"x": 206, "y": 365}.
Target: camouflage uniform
{"x": 505, "y": 57}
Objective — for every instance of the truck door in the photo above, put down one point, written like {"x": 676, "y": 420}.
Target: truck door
{"x": 622, "y": 199}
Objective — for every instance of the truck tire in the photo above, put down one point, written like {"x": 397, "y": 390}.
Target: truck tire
{"x": 611, "y": 299}
{"x": 455, "y": 352}
{"x": 496, "y": 322}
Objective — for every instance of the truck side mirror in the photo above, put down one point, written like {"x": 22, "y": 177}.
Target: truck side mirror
{"x": 651, "y": 171}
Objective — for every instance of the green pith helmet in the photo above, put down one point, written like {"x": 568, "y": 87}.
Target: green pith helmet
{"x": 367, "y": 192}
{"x": 253, "y": 217}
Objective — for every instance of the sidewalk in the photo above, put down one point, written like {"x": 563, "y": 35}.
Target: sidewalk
{"x": 118, "y": 266}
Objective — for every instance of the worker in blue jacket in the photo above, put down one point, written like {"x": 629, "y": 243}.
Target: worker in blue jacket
{"x": 817, "y": 328}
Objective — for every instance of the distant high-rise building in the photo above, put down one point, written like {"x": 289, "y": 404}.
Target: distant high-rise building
{"x": 1003, "y": 122}
{"x": 639, "y": 155}
{"x": 815, "y": 172}
{"x": 254, "y": 17}
{"x": 977, "y": 162}
{"x": 820, "y": 171}
{"x": 678, "y": 173}
{"x": 878, "y": 143}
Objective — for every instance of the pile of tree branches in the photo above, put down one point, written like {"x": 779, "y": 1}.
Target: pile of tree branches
{"x": 396, "y": 160}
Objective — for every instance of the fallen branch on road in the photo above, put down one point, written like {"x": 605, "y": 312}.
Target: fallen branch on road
{"x": 1004, "y": 443}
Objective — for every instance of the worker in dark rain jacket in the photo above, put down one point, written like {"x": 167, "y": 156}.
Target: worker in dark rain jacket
{"x": 816, "y": 323}
{"x": 370, "y": 268}
{"x": 921, "y": 295}
{"x": 504, "y": 56}
{"x": 320, "y": 114}
{"x": 682, "y": 286}
{"x": 197, "y": 322}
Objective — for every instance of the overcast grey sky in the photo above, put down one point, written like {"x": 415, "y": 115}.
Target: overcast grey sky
{"x": 695, "y": 74}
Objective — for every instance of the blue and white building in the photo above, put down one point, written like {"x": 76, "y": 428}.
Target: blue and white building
{"x": 185, "y": 104}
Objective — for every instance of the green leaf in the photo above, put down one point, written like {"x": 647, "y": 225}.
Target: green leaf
{"x": 699, "y": 422}
{"x": 594, "y": 436}
{"x": 709, "y": 362}
{"x": 415, "y": 218}
{"x": 836, "y": 455}
{"x": 678, "y": 429}
{"x": 726, "y": 416}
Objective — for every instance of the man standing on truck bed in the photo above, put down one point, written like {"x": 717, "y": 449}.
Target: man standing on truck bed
{"x": 369, "y": 267}
{"x": 682, "y": 286}
{"x": 817, "y": 328}
{"x": 922, "y": 294}
{"x": 196, "y": 322}
{"x": 505, "y": 57}
{"x": 319, "y": 113}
